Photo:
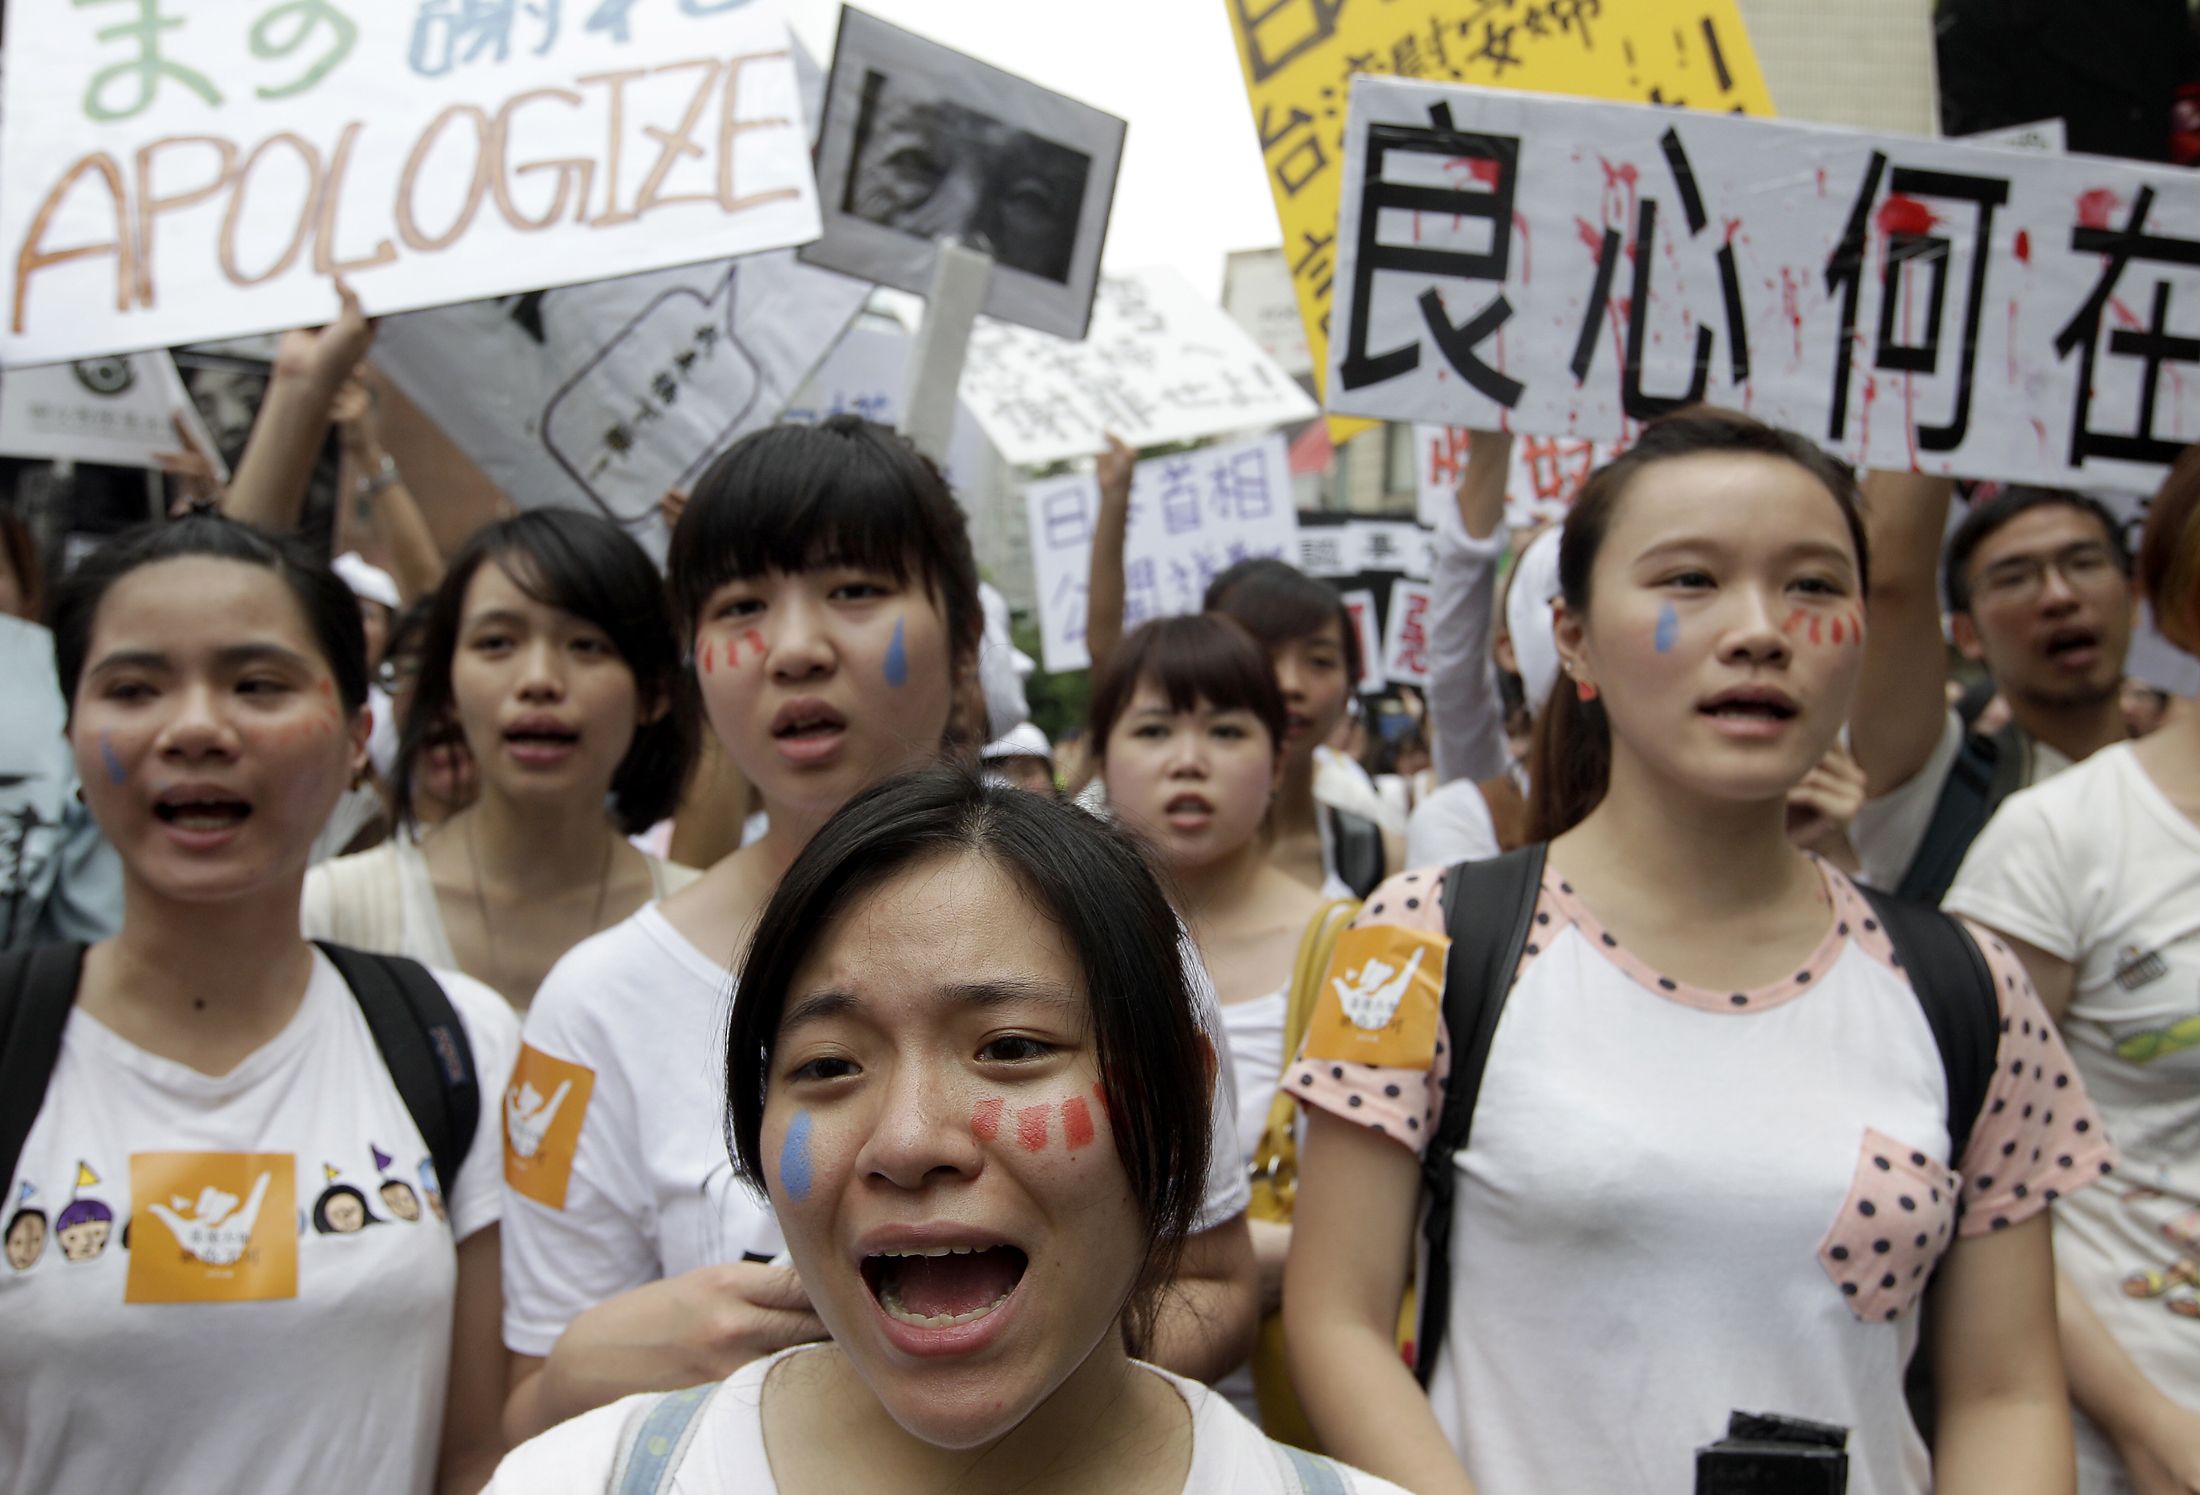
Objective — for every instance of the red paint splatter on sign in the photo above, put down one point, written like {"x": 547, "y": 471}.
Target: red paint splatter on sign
{"x": 1483, "y": 171}
{"x": 1905, "y": 215}
{"x": 2095, "y": 208}
{"x": 2024, "y": 246}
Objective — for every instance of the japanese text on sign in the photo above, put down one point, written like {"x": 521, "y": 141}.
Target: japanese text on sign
{"x": 1907, "y": 303}
{"x": 1300, "y": 55}
{"x": 1192, "y": 516}
{"x": 1545, "y": 473}
{"x": 179, "y": 172}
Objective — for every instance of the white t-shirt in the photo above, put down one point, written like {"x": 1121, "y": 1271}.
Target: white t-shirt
{"x": 1678, "y": 1203}
{"x": 1256, "y": 1058}
{"x": 615, "y": 1130}
{"x": 1230, "y": 1456}
{"x": 291, "y": 1348}
{"x": 383, "y": 899}
{"x": 1450, "y": 826}
{"x": 1888, "y": 829}
{"x": 2098, "y": 868}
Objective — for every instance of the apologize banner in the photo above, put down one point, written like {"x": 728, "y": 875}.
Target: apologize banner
{"x": 1569, "y": 268}
{"x": 176, "y": 173}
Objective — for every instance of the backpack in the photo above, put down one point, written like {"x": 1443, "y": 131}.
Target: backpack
{"x": 1489, "y": 908}
{"x": 423, "y": 1044}
{"x": 1358, "y": 843}
{"x": 1987, "y": 770}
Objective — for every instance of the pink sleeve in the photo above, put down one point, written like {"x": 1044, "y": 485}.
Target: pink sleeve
{"x": 1401, "y": 1104}
{"x": 2038, "y": 1137}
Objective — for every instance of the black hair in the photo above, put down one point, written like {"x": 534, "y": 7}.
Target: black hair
{"x": 1571, "y": 761}
{"x": 1277, "y": 603}
{"x": 331, "y": 610}
{"x": 846, "y": 492}
{"x": 1203, "y": 657}
{"x": 585, "y": 565}
{"x": 1095, "y": 884}
{"x": 1982, "y": 520}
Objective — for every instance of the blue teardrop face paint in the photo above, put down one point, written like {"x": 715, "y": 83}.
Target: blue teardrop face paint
{"x": 897, "y": 657}
{"x": 116, "y": 773}
{"x": 1669, "y": 627}
{"x": 794, "y": 1157}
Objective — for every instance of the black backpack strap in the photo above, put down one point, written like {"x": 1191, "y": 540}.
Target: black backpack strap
{"x": 1489, "y": 907}
{"x": 1955, "y": 987}
{"x": 37, "y": 989}
{"x": 1987, "y": 771}
{"x": 424, "y": 1046}
{"x": 1357, "y": 843}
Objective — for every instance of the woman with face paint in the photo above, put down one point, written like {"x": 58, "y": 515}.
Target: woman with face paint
{"x": 212, "y": 1064}
{"x": 1709, "y": 1167}
{"x": 825, "y": 579}
{"x": 551, "y": 646}
{"x": 968, "y": 1072}
{"x": 1189, "y": 727}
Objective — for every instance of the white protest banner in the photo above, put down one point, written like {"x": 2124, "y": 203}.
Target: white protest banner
{"x": 866, "y": 374}
{"x": 604, "y": 396}
{"x": 1192, "y": 516}
{"x": 1258, "y": 294}
{"x": 1398, "y": 545}
{"x": 1359, "y": 604}
{"x": 1327, "y": 552}
{"x": 1159, "y": 365}
{"x": 1907, "y": 303}
{"x": 117, "y": 410}
{"x": 1546, "y": 472}
{"x": 1405, "y": 633}
{"x": 171, "y": 173}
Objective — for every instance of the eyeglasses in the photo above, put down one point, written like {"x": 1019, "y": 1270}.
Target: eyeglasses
{"x": 2019, "y": 578}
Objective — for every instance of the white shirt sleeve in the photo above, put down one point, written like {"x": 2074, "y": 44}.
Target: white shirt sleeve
{"x": 492, "y": 1030}
{"x": 317, "y": 910}
{"x": 1451, "y": 825}
{"x": 1229, "y": 1192}
{"x": 558, "y": 1263}
{"x": 1889, "y": 829}
{"x": 1466, "y": 712}
{"x": 2022, "y": 878}
{"x": 573, "y": 1458}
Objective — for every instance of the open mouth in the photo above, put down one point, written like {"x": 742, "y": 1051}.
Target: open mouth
{"x": 1749, "y": 706}
{"x": 806, "y": 720}
{"x": 2065, "y": 642}
{"x": 202, "y": 813}
{"x": 1187, "y": 804}
{"x": 941, "y": 1287}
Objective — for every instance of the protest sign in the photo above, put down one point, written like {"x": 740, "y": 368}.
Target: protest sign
{"x": 118, "y": 410}
{"x": 604, "y": 396}
{"x": 1907, "y": 303}
{"x": 1193, "y": 516}
{"x": 920, "y": 143}
{"x": 1158, "y": 365}
{"x": 1545, "y": 473}
{"x": 1405, "y": 633}
{"x": 866, "y": 374}
{"x": 1367, "y": 622}
{"x": 1867, "y": 63}
{"x": 174, "y": 173}
{"x": 1258, "y": 294}
{"x": 1299, "y": 55}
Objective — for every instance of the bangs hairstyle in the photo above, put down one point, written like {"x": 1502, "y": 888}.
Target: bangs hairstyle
{"x": 585, "y": 565}
{"x": 331, "y": 611}
{"x": 1571, "y": 760}
{"x": 848, "y": 492}
{"x": 1980, "y": 522}
{"x": 1094, "y": 884}
{"x": 1203, "y": 658}
{"x": 2169, "y": 553}
{"x": 1277, "y": 604}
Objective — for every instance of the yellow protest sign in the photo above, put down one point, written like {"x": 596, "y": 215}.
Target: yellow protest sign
{"x": 1299, "y": 57}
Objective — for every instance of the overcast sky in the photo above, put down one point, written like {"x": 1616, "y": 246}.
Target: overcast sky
{"x": 1191, "y": 188}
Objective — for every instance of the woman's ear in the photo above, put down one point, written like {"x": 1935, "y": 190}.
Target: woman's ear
{"x": 361, "y": 728}
{"x": 1569, "y": 630}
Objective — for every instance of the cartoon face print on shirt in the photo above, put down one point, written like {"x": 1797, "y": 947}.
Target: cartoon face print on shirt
{"x": 26, "y": 1237}
{"x": 430, "y": 1189}
{"x": 342, "y": 1210}
{"x": 85, "y": 1223}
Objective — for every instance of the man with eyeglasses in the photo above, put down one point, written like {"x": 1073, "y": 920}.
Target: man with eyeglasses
{"x": 2038, "y": 588}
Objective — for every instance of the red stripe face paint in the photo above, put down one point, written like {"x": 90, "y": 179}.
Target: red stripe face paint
{"x": 756, "y": 642}
{"x": 709, "y": 660}
{"x": 1816, "y": 627}
{"x": 1794, "y": 621}
{"x": 1076, "y": 1122}
{"x": 985, "y": 1119}
{"x": 1100, "y": 1095}
{"x": 1837, "y": 630}
{"x": 1031, "y": 1127}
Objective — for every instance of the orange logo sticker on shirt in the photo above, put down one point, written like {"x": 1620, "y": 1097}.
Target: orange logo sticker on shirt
{"x": 1381, "y": 999}
{"x": 213, "y": 1227}
{"x": 543, "y": 1107}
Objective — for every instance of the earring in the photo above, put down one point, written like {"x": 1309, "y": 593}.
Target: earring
{"x": 1584, "y": 690}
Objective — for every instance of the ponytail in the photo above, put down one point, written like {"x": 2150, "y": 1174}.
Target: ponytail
{"x": 1569, "y": 762}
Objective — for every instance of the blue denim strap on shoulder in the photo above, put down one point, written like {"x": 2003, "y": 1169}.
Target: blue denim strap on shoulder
{"x": 656, "y": 1439}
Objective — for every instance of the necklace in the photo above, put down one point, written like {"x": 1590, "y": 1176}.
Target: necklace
{"x": 499, "y": 979}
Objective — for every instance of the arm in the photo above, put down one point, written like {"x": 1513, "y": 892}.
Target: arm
{"x": 682, "y": 1331}
{"x": 1210, "y": 1311}
{"x": 1466, "y": 713}
{"x": 1104, "y": 594}
{"x": 2159, "y": 1440}
{"x": 415, "y": 561}
{"x": 270, "y": 482}
{"x": 472, "y": 1439}
{"x": 1901, "y": 700}
{"x": 1351, "y": 1258}
{"x": 707, "y": 826}
{"x": 2004, "y": 1428}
